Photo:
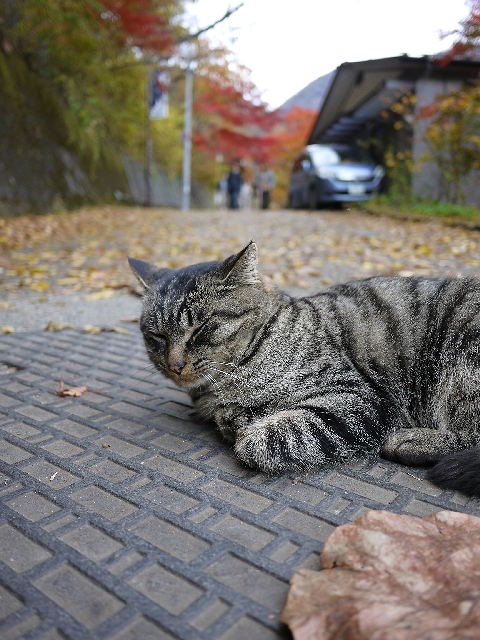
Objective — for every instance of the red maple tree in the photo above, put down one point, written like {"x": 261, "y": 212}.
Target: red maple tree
{"x": 144, "y": 24}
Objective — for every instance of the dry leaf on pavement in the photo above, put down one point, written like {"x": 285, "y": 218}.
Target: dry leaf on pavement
{"x": 75, "y": 392}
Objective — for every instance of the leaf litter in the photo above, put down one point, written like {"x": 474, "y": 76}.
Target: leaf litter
{"x": 85, "y": 251}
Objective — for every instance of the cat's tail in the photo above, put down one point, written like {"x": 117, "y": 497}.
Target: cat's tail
{"x": 460, "y": 471}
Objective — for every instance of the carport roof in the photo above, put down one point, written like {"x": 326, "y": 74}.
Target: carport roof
{"x": 361, "y": 90}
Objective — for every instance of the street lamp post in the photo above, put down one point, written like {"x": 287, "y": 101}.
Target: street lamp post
{"x": 187, "y": 136}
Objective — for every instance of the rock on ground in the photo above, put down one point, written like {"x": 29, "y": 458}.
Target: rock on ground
{"x": 392, "y": 577}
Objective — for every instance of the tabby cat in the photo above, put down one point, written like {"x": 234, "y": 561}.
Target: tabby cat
{"x": 384, "y": 365}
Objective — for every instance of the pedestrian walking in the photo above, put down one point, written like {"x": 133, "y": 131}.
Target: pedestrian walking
{"x": 234, "y": 184}
{"x": 264, "y": 183}
{"x": 245, "y": 198}
{"x": 220, "y": 197}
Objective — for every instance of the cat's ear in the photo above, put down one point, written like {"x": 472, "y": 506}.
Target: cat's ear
{"x": 148, "y": 274}
{"x": 242, "y": 267}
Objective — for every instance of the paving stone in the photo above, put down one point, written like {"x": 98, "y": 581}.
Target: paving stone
{"x": 11, "y": 454}
{"x": 33, "y": 506}
{"x": 238, "y": 496}
{"x": 9, "y": 603}
{"x": 284, "y": 551}
{"x": 8, "y": 401}
{"x": 63, "y": 449}
{"x": 295, "y": 520}
{"x": 128, "y": 427}
{"x": 141, "y": 629}
{"x": 124, "y": 563}
{"x": 210, "y": 614}
{"x": 20, "y": 629}
{"x": 167, "y": 589}
{"x": 300, "y": 491}
{"x": 338, "y": 505}
{"x": 21, "y": 430}
{"x": 420, "y": 508}
{"x": 131, "y": 409}
{"x": 242, "y": 533}
{"x": 73, "y": 428}
{"x": 170, "y": 538}
{"x": 250, "y": 581}
{"x": 172, "y": 468}
{"x": 171, "y": 499}
{"x": 361, "y": 488}
{"x": 104, "y": 503}
{"x": 112, "y": 471}
{"x": 35, "y": 413}
{"x": 52, "y": 634}
{"x": 18, "y": 551}
{"x": 78, "y": 595}
{"x": 224, "y": 462}
{"x": 12, "y": 488}
{"x": 202, "y": 515}
{"x": 118, "y": 447}
{"x": 51, "y": 475}
{"x": 61, "y": 522}
{"x": 82, "y": 410}
{"x": 412, "y": 482}
{"x": 172, "y": 443}
{"x": 312, "y": 562}
{"x": 246, "y": 627}
{"x": 91, "y": 542}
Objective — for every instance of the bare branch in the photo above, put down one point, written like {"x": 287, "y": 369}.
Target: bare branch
{"x": 227, "y": 15}
{"x": 193, "y": 36}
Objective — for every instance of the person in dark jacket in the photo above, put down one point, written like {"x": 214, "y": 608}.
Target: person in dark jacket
{"x": 234, "y": 184}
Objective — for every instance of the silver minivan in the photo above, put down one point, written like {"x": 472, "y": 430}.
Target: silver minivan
{"x": 334, "y": 173}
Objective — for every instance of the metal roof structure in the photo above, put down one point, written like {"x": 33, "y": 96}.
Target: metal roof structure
{"x": 361, "y": 90}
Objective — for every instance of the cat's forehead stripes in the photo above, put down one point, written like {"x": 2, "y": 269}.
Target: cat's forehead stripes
{"x": 175, "y": 293}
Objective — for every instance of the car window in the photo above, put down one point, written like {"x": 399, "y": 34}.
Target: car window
{"x": 324, "y": 156}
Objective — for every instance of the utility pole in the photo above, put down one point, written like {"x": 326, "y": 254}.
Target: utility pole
{"x": 187, "y": 135}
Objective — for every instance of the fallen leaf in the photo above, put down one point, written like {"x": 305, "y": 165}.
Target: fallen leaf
{"x": 7, "y": 329}
{"x": 41, "y": 285}
{"x": 91, "y": 329}
{"x": 58, "y": 326}
{"x": 103, "y": 294}
{"x": 116, "y": 330}
{"x": 75, "y": 392}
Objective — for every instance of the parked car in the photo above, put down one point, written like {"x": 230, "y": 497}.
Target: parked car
{"x": 333, "y": 173}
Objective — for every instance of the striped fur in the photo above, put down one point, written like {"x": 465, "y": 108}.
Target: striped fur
{"x": 385, "y": 365}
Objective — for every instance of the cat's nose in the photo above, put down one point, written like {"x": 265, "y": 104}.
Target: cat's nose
{"x": 177, "y": 366}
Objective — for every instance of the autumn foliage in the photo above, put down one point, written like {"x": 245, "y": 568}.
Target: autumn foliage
{"x": 452, "y": 134}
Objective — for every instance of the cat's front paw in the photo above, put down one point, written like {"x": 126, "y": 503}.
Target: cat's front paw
{"x": 277, "y": 444}
{"x": 414, "y": 446}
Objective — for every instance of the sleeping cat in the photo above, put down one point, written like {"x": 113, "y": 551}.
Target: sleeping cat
{"x": 385, "y": 365}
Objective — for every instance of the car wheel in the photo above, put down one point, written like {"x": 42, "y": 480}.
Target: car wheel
{"x": 312, "y": 200}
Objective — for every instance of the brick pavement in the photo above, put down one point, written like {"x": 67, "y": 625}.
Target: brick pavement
{"x": 123, "y": 518}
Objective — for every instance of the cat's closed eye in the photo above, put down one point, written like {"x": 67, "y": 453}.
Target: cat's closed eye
{"x": 199, "y": 331}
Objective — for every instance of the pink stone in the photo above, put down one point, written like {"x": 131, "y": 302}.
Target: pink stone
{"x": 392, "y": 577}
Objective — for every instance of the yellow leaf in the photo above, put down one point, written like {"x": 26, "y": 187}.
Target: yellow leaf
{"x": 91, "y": 329}
{"x": 7, "y": 329}
{"x": 41, "y": 285}
{"x": 118, "y": 330}
{"x": 58, "y": 326}
{"x": 101, "y": 295}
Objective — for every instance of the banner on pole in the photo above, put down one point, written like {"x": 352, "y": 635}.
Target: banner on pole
{"x": 159, "y": 85}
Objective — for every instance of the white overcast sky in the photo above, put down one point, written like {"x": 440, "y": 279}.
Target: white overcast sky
{"x": 289, "y": 43}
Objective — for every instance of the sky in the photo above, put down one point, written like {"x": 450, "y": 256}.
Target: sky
{"x": 289, "y": 43}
